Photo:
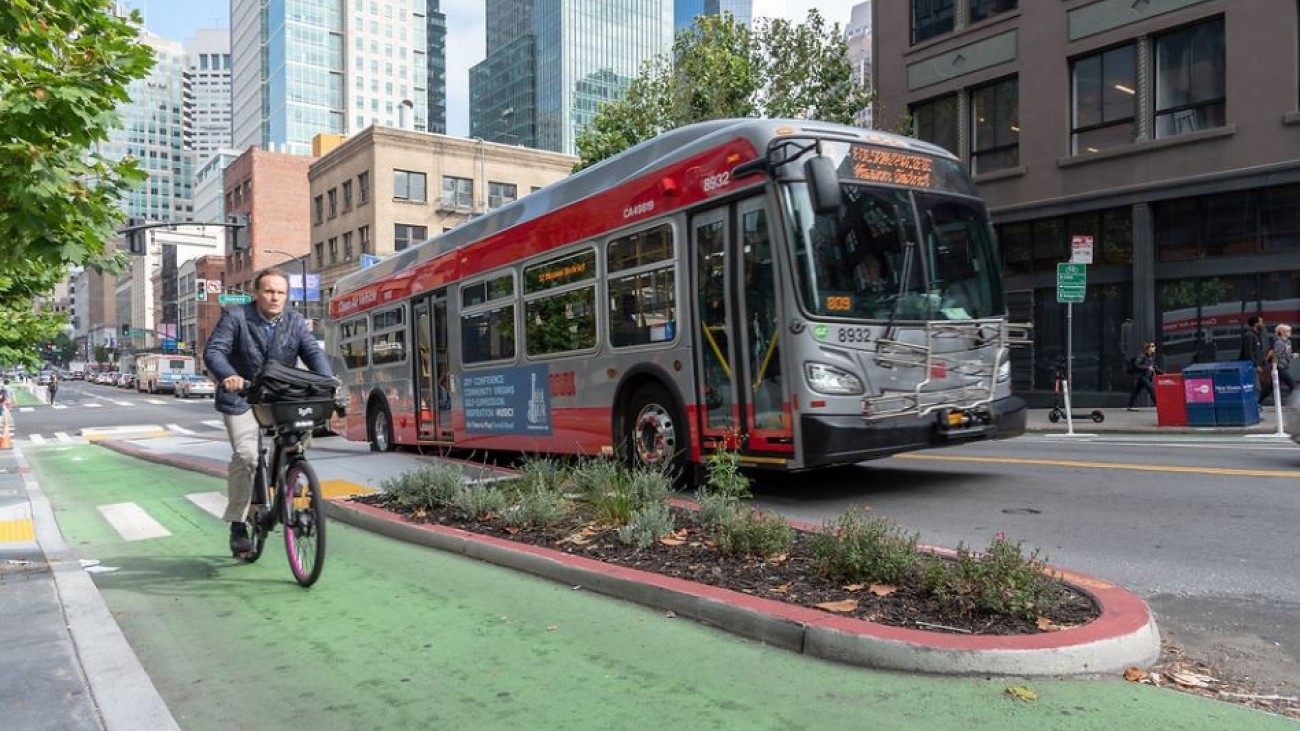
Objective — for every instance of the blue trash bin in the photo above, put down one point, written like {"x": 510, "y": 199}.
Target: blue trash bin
{"x": 1236, "y": 396}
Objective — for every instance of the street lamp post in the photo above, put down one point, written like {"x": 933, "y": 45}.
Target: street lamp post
{"x": 301, "y": 260}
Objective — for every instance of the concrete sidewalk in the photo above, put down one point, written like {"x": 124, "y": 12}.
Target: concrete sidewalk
{"x": 1142, "y": 421}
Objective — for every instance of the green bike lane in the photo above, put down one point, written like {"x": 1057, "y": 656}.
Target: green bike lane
{"x": 396, "y": 636}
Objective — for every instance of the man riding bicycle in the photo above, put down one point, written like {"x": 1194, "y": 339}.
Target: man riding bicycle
{"x": 244, "y": 340}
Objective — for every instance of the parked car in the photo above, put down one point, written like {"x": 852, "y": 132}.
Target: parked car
{"x": 192, "y": 386}
{"x": 44, "y": 378}
{"x": 125, "y": 380}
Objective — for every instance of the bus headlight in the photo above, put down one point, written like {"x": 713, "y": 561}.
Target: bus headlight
{"x": 1004, "y": 371}
{"x": 831, "y": 381}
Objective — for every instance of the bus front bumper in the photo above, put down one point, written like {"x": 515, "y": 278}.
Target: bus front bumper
{"x": 837, "y": 440}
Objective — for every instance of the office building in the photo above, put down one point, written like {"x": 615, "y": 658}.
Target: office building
{"x": 857, "y": 38}
{"x": 551, "y": 63}
{"x": 305, "y": 67}
{"x": 207, "y": 69}
{"x": 1163, "y": 136}
{"x": 385, "y": 190}
{"x": 437, "y": 68}
{"x": 685, "y": 11}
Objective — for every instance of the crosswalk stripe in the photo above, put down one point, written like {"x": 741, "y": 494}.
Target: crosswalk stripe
{"x": 37, "y": 439}
{"x": 212, "y": 503}
{"x": 59, "y": 406}
{"x": 132, "y": 522}
{"x": 62, "y": 436}
{"x": 123, "y": 403}
{"x": 180, "y": 429}
{"x": 94, "y": 406}
{"x": 215, "y": 423}
{"x": 26, "y": 409}
{"x": 157, "y": 402}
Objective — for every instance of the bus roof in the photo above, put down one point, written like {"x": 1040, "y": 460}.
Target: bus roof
{"x": 681, "y": 156}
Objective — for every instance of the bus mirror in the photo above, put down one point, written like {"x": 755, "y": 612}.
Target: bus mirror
{"x": 823, "y": 184}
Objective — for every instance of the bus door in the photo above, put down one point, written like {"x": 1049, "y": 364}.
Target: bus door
{"x": 742, "y": 389}
{"x": 432, "y": 368}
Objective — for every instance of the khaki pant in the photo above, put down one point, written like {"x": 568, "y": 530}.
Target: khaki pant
{"x": 242, "y": 431}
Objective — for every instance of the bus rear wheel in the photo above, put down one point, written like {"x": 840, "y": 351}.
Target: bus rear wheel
{"x": 381, "y": 428}
{"x": 655, "y": 436}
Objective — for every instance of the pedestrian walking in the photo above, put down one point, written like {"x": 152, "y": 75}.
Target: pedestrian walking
{"x": 1252, "y": 350}
{"x": 53, "y": 388}
{"x": 1282, "y": 357}
{"x": 1143, "y": 368}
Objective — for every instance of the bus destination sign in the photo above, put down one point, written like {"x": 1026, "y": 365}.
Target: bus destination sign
{"x": 892, "y": 167}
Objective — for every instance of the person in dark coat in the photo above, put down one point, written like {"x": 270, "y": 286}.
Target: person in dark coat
{"x": 244, "y": 340}
{"x": 1253, "y": 350}
{"x": 1144, "y": 372}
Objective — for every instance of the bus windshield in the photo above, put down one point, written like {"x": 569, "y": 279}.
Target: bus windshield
{"x": 894, "y": 254}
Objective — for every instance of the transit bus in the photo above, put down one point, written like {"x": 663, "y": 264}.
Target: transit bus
{"x": 806, "y": 294}
{"x": 160, "y": 372}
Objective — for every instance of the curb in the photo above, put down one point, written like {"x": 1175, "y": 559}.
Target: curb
{"x": 1125, "y": 634}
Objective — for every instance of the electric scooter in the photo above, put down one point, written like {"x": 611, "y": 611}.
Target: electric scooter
{"x": 1058, "y": 409}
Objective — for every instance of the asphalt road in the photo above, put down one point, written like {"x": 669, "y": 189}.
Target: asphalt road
{"x": 1202, "y": 527}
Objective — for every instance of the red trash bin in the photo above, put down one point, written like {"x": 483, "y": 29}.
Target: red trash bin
{"x": 1171, "y": 402}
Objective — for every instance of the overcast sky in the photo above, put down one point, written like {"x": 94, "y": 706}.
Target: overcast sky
{"x": 178, "y": 19}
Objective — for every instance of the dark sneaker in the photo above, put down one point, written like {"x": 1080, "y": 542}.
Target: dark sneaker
{"x": 239, "y": 543}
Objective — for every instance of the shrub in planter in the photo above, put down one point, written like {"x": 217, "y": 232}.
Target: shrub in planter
{"x": 856, "y": 547}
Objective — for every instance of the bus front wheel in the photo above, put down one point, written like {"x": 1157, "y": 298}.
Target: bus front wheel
{"x": 381, "y": 429}
{"x": 655, "y": 437}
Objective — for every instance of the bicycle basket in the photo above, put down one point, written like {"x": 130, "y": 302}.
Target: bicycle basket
{"x": 280, "y": 382}
{"x": 303, "y": 415}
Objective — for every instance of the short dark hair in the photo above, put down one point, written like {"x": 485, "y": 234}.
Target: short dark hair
{"x": 269, "y": 272}
{"x": 1252, "y": 321}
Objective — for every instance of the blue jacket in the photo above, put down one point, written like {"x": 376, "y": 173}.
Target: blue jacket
{"x": 238, "y": 346}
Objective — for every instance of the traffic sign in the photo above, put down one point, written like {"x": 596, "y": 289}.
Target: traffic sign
{"x": 1071, "y": 282}
{"x": 234, "y": 299}
{"x": 1081, "y": 249}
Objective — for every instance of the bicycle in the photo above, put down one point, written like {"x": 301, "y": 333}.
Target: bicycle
{"x": 285, "y": 487}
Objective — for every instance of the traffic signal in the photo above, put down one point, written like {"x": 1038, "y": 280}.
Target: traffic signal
{"x": 201, "y": 290}
{"x": 136, "y": 241}
{"x": 238, "y": 231}
{"x": 126, "y": 329}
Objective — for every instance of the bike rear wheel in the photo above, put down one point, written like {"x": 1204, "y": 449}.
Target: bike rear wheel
{"x": 304, "y": 522}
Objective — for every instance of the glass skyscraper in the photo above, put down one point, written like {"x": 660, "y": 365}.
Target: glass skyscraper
{"x": 551, "y": 63}
{"x": 305, "y": 67}
{"x": 685, "y": 11}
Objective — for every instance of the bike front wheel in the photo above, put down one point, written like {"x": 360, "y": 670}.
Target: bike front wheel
{"x": 304, "y": 522}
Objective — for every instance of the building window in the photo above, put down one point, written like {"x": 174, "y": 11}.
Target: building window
{"x": 334, "y": 250}
{"x": 363, "y": 239}
{"x": 995, "y": 126}
{"x": 405, "y": 235}
{"x": 318, "y": 211}
{"x": 408, "y": 186}
{"x": 931, "y": 18}
{"x": 981, "y": 9}
{"x": 1190, "y": 88}
{"x": 1105, "y": 100}
{"x": 363, "y": 188}
{"x": 500, "y": 194}
{"x": 320, "y": 254}
{"x": 333, "y": 196}
{"x": 935, "y": 121}
{"x": 457, "y": 192}
{"x": 347, "y": 195}
{"x": 347, "y": 246}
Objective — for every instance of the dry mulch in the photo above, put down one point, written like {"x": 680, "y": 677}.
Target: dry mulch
{"x": 792, "y": 578}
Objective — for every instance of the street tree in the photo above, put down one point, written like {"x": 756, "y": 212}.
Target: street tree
{"x": 65, "y": 68}
{"x": 720, "y": 68}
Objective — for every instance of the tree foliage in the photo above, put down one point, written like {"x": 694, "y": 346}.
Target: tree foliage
{"x": 720, "y": 68}
{"x": 65, "y": 68}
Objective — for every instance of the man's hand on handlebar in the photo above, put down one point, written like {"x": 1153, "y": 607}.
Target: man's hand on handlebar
{"x": 234, "y": 383}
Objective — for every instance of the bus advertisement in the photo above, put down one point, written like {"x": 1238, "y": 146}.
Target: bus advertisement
{"x": 159, "y": 373}
{"x": 806, "y": 294}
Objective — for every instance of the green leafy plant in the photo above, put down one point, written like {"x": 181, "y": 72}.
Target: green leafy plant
{"x": 479, "y": 501}
{"x": 647, "y": 524}
{"x": 425, "y": 487}
{"x": 1001, "y": 580}
{"x": 754, "y": 533}
{"x": 535, "y": 506}
{"x": 857, "y": 547}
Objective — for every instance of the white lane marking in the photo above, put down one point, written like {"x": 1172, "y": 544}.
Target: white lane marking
{"x": 59, "y": 406}
{"x": 37, "y": 439}
{"x": 94, "y": 406}
{"x": 215, "y": 423}
{"x": 122, "y": 403}
{"x": 26, "y": 409}
{"x": 157, "y": 402}
{"x": 180, "y": 429}
{"x": 132, "y": 522}
{"x": 212, "y": 503}
{"x": 62, "y": 436}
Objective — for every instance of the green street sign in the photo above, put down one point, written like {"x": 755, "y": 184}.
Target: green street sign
{"x": 135, "y": 333}
{"x": 1071, "y": 282}
{"x": 234, "y": 299}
